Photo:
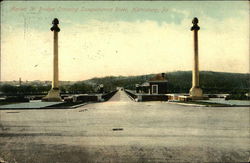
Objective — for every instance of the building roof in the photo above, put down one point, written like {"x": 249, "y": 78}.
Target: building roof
{"x": 158, "y": 78}
{"x": 158, "y": 81}
{"x": 146, "y": 84}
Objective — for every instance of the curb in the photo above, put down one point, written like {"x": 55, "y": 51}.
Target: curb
{"x": 197, "y": 105}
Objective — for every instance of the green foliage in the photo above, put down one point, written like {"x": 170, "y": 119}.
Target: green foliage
{"x": 181, "y": 82}
{"x": 111, "y": 83}
{"x": 238, "y": 96}
{"x": 219, "y": 82}
{"x": 178, "y": 82}
{"x": 80, "y": 87}
{"x": 24, "y": 89}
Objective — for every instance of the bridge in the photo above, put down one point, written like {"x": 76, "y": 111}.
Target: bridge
{"x": 121, "y": 130}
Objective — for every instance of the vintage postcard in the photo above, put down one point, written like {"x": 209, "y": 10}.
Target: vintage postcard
{"x": 124, "y": 81}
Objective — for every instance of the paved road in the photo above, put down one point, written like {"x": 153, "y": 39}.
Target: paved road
{"x": 121, "y": 130}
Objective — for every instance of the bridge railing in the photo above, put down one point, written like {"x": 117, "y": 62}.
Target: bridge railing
{"x": 131, "y": 94}
{"x": 146, "y": 97}
{"x": 107, "y": 96}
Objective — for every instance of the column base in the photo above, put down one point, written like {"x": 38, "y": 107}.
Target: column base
{"x": 196, "y": 92}
{"x": 53, "y": 96}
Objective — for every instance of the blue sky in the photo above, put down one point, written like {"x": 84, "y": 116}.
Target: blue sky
{"x": 152, "y": 32}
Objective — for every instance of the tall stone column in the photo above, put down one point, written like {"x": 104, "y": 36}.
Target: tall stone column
{"x": 54, "y": 93}
{"x": 56, "y": 29}
{"x": 195, "y": 91}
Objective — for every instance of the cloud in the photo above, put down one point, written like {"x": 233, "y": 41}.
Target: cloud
{"x": 99, "y": 48}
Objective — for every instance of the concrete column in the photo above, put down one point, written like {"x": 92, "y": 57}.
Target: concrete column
{"x": 54, "y": 93}
{"x": 55, "y": 83}
{"x": 195, "y": 90}
{"x": 196, "y": 61}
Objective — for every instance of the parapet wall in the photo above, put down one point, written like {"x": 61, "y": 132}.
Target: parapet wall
{"x": 131, "y": 94}
{"x": 91, "y": 97}
{"x": 107, "y": 96}
{"x": 146, "y": 97}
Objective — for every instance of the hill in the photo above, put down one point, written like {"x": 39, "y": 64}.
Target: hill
{"x": 181, "y": 81}
{"x": 178, "y": 82}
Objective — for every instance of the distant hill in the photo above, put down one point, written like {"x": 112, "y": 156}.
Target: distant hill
{"x": 181, "y": 81}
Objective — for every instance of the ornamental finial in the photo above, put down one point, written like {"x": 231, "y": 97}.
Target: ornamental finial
{"x": 195, "y": 26}
{"x": 55, "y": 27}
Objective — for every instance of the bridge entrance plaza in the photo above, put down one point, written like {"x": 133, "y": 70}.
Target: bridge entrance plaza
{"x": 121, "y": 130}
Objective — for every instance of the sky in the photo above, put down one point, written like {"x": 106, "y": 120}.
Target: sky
{"x": 105, "y": 38}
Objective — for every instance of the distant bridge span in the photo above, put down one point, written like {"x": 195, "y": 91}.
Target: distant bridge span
{"x": 120, "y": 96}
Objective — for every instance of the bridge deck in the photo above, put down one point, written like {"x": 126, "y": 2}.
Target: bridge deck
{"x": 121, "y": 130}
{"x": 120, "y": 96}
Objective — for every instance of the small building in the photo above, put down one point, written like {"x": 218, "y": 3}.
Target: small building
{"x": 155, "y": 85}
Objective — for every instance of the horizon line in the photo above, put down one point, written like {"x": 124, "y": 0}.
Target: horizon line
{"x": 129, "y": 75}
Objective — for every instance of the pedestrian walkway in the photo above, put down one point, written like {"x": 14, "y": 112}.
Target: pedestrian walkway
{"x": 120, "y": 96}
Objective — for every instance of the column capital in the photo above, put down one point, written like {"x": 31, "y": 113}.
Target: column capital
{"x": 195, "y": 26}
{"x": 55, "y": 27}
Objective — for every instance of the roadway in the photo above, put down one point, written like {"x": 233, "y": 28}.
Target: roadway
{"x": 122, "y": 130}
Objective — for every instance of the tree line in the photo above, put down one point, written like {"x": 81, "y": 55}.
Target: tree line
{"x": 178, "y": 82}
